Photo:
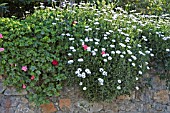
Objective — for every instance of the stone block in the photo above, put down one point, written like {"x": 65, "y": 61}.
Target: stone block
{"x": 48, "y": 108}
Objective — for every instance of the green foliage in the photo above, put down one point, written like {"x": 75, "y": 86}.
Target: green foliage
{"x": 102, "y": 50}
{"x": 35, "y": 49}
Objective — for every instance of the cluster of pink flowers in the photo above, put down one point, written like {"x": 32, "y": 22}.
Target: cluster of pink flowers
{"x": 1, "y": 49}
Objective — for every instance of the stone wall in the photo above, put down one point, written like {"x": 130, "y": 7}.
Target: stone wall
{"x": 151, "y": 99}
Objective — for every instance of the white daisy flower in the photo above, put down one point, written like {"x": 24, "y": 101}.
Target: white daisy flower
{"x": 147, "y": 52}
{"x": 122, "y": 56}
{"x": 101, "y": 69}
{"x": 103, "y": 49}
{"x": 113, "y": 40}
{"x": 96, "y": 23}
{"x": 104, "y": 73}
{"x": 129, "y": 52}
{"x": 69, "y": 54}
{"x": 137, "y": 78}
{"x": 118, "y": 87}
{"x": 71, "y": 47}
{"x": 133, "y": 64}
{"x": 130, "y": 60}
{"x": 77, "y": 72}
{"x": 124, "y": 52}
{"x": 100, "y": 80}
{"x": 88, "y": 48}
{"x": 83, "y": 75}
{"x": 148, "y": 67}
{"x": 105, "y": 38}
{"x": 95, "y": 49}
{"x": 109, "y": 58}
{"x": 71, "y": 39}
{"x": 91, "y": 40}
{"x": 111, "y": 31}
{"x": 86, "y": 39}
{"x": 152, "y": 54}
{"x": 112, "y": 46}
{"x": 80, "y": 60}
{"x": 121, "y": 44}
{"x": 96, "y": 39}
{"x": 68, "y": 34}
{"x": 73, "y": 50}
{"x": 140, "y": 72}
{"x": 70, "y": 61}
{"x": 119, "y": 81}
{"x": 112, "y": 52}
{"x": 93, "y": 53}
{"x": 129, "y": 47}
{"x": 139, "y": 45}
{"x": 81, "y": 83}
{"x": 137, "y": 88}
{"x": 146, "y": 63}
{"x": 79, "y": 75}
{"x": 79, "y": 69}
{"x": 134, "y": 57}
{"x": 105, "y": 35}
{"x": 84, "y": 88}
{"x": 105, "y": 60}
{"x": 96, "y": 43}
{"x": 118, "y": 52}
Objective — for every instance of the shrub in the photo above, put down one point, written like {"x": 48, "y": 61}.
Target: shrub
{"x": 105, "y": 52}
{"x": 31, "y": 62}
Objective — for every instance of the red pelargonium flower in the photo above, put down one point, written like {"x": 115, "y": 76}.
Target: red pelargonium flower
{"x": 24, "y": 86}
{"x": 103, "y": 52}
{"x": 55, "y": 62}
{"x": 32, "y": 77}
{"x": 1, "y": 35}
{"x": 85, "y": 47}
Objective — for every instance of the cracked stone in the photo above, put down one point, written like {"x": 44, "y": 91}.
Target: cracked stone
{"x": 2, "y": 87}
{"x": 13, "y": 91}
{"x": 161, "y": 96}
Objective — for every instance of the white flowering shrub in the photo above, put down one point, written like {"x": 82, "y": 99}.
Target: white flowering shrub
{"x": 106, "y": 56}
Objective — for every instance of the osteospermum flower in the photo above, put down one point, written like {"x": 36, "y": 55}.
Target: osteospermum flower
{"x": 24, "y": 68}
{"x": 2, "y": 49}
{"x": 1, "y": 36}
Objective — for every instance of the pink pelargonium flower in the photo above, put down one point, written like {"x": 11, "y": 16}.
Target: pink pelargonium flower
{"x": 24, "y": 86}
{"x": 2, "y": 49}
{"x": 32, "y": 77}
{"x": 85, "y": 47}
{"x": 24, "y": 68}
{"x": 1, "y": 35}
{"x": 103, "y": 52}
